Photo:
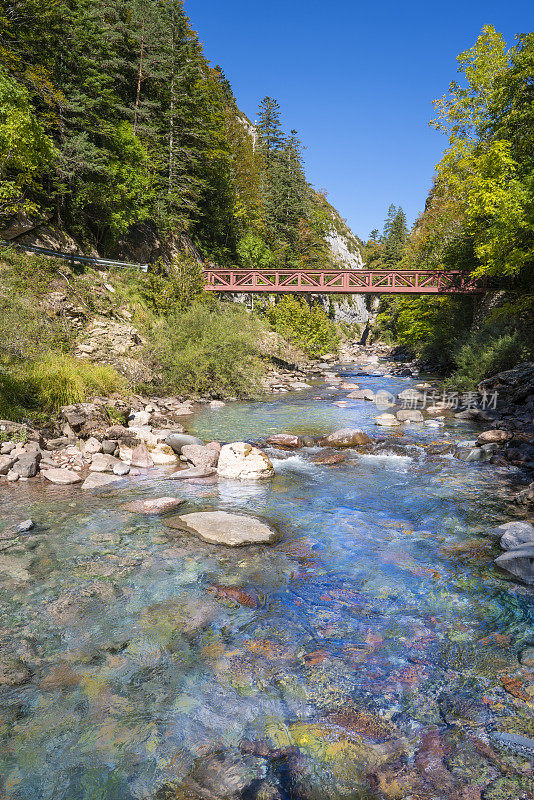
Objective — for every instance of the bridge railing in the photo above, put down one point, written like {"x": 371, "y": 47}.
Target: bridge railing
{"x": 341, "y": 281}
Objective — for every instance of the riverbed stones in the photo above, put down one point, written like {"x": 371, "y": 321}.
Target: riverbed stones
{"x": 345, "y": 437}
{"x": 409, "y": 415}
{"x": 73, "y": 604}
{"x": 13, "y": 671}
{"x": 121, "y": 469}
{"x": 6, "y": 463}
{"x": 387, "y": 420}
{"x": 241, "y": 461}
{"x": 514, "y": 534}
{"x": 155, "y": 505}
{"x": 178, "y": 440}
{"x": 92, "y": 446}
{"x": 200, "y": 456}
{"x": 519, "y": 562}
{"x": 362, "y": 394}
{"x": 190, "y": 473}
{"x": 103, "y": 463}
{"x": 141, "y": 457}
{"x": 98, "y": 480}
{"x": 285, "y": 440}
{"x": 62, "y": 476}
{"x": 27, "y": 465}
{"x": 225, "y": 528}
{"x": 162, "y": 455}
{"x": 497, "y": 436}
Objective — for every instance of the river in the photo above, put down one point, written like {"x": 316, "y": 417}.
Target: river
{"x": 372, "y": 653}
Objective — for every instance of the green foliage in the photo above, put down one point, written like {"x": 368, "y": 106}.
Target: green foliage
{"x": 58, "y": 379}
{"x": 308, "y": 327}
{"x": 253, "y": 253}
{"x": 430, "y": 327}
{"x": 25, "y": 149}
{"x": 208, "y": 349}
{"x": 484, "y": 356}
{"x": 172, "y": 289}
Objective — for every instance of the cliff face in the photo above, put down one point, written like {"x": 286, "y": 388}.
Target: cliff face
{"x": 346, "y": 252}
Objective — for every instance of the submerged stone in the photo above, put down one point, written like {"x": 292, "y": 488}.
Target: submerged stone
{"x": 519, "y": 562}
{"x": 345, "y": 437}
{"x": 222, "y": 527}
{"x": 157, "y": 505}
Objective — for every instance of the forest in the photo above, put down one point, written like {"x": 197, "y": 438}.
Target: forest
{"x": 479, "y": 217}
{"x": 112, "y": 116}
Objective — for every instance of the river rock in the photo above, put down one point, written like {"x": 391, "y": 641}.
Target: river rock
{"x": 387, "y": 420}
{"x": 193, "y": 472}
{"x": 227, "y": 775}
{"x": 409, "y": 415}
{"x": 162, "y": 455}
{"x": 141, "y": 457}
{"x": 201, "y": 456}
{"x": 217, "y": 404}
{"x": 140, "y": 418}
{"x": 6, "y": 448}
{"x": 73, "y": 604}
{"x": 497, "y": 436}
{"x": 476, "y": 454}
{"x": 411, "y": 395}
{"x": 12, "y": 476}
{"x": 242, "y": 461}
{"x": 92, "y": 446}
{"x": 110, "y": 446}
{"x": 13, "y": 671}
{"x": 99, "y": 479}
{"x": 519, "y": 562}
{"x": 62, "y": 476}
{"x": 27, "y": 525}
{"x": 103, "y": 463}
{"x": 222, "y": 527}
{"x": 156, "y": 505}
{"x": 178, "y": 440}
{"x": 121, "y": 469}
{"x": 514, "y": 534}
{"x": 285, "y": 440}
{"x": 27, "y": 465}
{"x": 362, "y": 394}
{"x": 345, "y": 437}
{"x": 6, "y": 463}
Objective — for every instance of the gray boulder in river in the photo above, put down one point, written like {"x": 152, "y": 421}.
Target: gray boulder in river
{"x": 519, "y": 562}
{"x": 514, "y": 534}
{"x": 179, "y": 440}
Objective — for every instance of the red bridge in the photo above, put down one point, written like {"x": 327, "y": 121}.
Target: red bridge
{"x": 347, "y": 281}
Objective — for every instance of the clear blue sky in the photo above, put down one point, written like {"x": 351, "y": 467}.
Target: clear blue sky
{"x": 356, "y": 80}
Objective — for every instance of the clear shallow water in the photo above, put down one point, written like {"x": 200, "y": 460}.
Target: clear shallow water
{"x": 371, "y": 638}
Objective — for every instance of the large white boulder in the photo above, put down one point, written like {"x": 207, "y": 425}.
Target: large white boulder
{"x": 242, "y": 461}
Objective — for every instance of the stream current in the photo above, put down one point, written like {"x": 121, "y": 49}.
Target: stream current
{"x": 372, "y": 652}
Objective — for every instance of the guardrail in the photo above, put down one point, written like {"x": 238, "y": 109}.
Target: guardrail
{"x": 74, "y": 257}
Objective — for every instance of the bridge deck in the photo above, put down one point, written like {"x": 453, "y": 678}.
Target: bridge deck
{"x": 358, "y": 281}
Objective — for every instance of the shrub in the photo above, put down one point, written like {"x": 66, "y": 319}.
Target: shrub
{"x": 308, "y": 327}
{"x": 484, "y": 356}
{"x": 208, "y": 349}
{"x": 175, "y": 289}
{"x": 430, "y": 327}
{"x": 58, "y": 379}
